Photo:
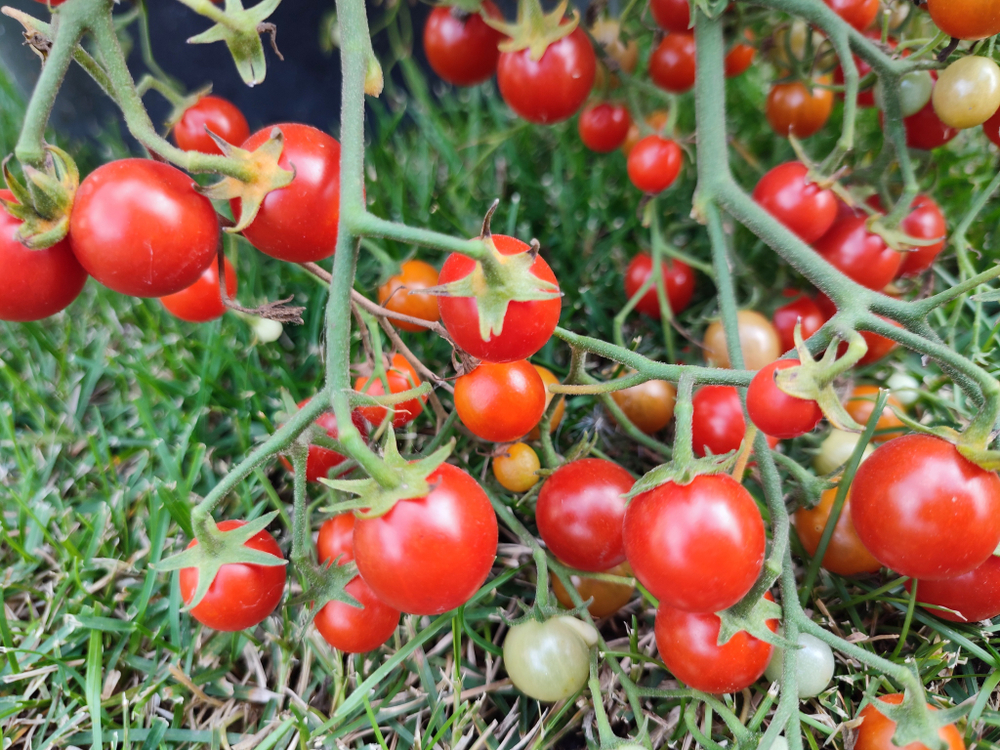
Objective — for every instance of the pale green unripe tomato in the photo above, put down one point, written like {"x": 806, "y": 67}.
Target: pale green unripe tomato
{"x": 904, "y": 387}
{"x": 967, "y": 93}
{"x": 780, "y": 743}
{"x": 813, "y": 667}
{"x": 914, "y": 91}
{"x": 836, "y": 449}
{"x": 550, "y": 660}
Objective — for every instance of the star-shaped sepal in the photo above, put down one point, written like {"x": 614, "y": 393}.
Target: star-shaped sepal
{"x": 534, "y": 29}
{"x": 241, "y": 33}
{"x": 327, "y": 584}
{"x": 916, "y": 722}
{"x": 45, "y": 203}
{"x": 752, "y": 618}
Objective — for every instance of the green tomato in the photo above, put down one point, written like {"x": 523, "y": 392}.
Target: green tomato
{"x": 915, "y": 91}
{"x": 836, "y": 449}
{"x": 904, "y": 387}
{"x": 813, "y": 667}
{"x": 550, "y": 660}
{"x": 967, "y": 93}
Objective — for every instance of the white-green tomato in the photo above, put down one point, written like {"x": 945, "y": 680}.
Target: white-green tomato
{"x": 915, "y": 90}
{"x": 905, "y": 387}
{"x": 813, "y": 667}
{"x": 550, "y": 660}
{"x": 836, "y": 449}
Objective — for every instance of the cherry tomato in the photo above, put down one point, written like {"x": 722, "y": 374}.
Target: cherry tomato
{"x": 924, "y": 222}
{"x": 804, "y": 310}
{"x": 654, "y": 163}
{"x": 321, "y": 460}
{"x": 967, "y": 92}
{"x": 52, "y": 3}
{"x": 688, "y": 645}
{"x": 875, "y": 732}
{"x": 859, "y": 13}
{"x": 966, "y": 19}
{"x": 139, "y": 227}
{"x": 526, "y": 326}
{"x": 671, "y": 66}
{"x": 697, "y": 547}
{"x": 835, "y": 449}
{"x": 758, "y": 340}
{"x": 793, "y": 109}
{"x": 298, "y": 223}
{"x": 861, "y": 404}
{"x": 672, "y": 15}
{"x": 878, "y": 346}
{"x": 607, "y": 31}
{"x": 804, "y": 207}
{"x": 220, "y": 116}
{"x": 678, "y": 283}
{"x": 37, "y": 283}
{"x": 500, "y": 402}
{"x": 430, "y": 554}
{"x": 400, "y": 293}
{"x": 242, "y": 594}
{"x": 924, "y": 510}
{"x": 739, "y": 57}
{"x": 607, "y": 597}
{"x": 845, "y": 554}
{"x": 517, "y": 468}
{"x": 401, "y": 377}
{"x": 335, "y": 541}
{"x": 603, "y": 127}
{"x": 859, "y": 254}
{"x": 775, "y": 412}
{"x": 656, "y": 121}
{"x": 992, "y": 128}
{"x": 460, "y": 47}
{"x": 549, "y": 661}
{"x": 971, "y": 597}
{"x": 718, "y": 426}
{"x": 925, "y": 131}
{"x": 550, "y": 89}
{"x": 814, "y": 666}
{"x": 649, "y": 406}
{"x": 548, "y": 378}
{"x": 202, "y": 301}
{"x": 580, "y": 510}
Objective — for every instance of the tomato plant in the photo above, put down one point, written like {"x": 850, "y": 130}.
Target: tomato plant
{"x": 814, "y": 666}
{"x": 788, "y": 195}
{"x": 202, "y": 301}
{"x": 460, "y": 47}
{"x": 649, "y": 406}
{"x": 859, "y": 13}
{"x": 500, "y": 401}
{"x": 603, "y": 127}
{"x": 654, "y": 163}
{"x": 401, "y": 294}
{"x": 213, "y": 113}
{"x": 672, "y": 15}
{"x": 845, "y": 554}
{"x": 775, "y": 412}
{"x": 876, "y": 731}
{"x": 924, "y": 130}
{"x": 549, "y": 661}
{"x": 966, "y": 19}
{"x": 678, "y": 282}
{"x": 548, "y": 378}
{"x": 671, "y": 65}
{"x": 924, "y": 222}
{"x": 401, "y": 377}
{"x": 740, "y": 57}
{"x": 718, "y": 425}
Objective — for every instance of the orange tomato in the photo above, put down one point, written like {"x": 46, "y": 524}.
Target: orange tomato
{"x": 397, "y": 295}
{"x": 845, "y": 554}
{"x": 793, "y": 109}
{"x": 861, "y": 404}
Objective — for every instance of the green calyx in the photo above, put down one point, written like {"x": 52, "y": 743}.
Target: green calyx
{"x": 753, "y": 620}
{"x": 326, "y": 584}
{"x": 44, "y": 204}
{"x": 897, "y": 240}
{"x": 534, "y": 29}
{"x": 241, "y": 31}
{"x": 184, "y": 104}
{"x": 916, "y": 722}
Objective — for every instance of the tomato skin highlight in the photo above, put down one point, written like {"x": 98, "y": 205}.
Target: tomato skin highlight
{"x": 845, "y": 554}
{"x": 775, "y": 412}
{"x": 500, "y": 402}
{"x": 321, "y": 460}
{"x": 804, "y": 207}
{"x": 924, "y": 510}
{"x": 672, "y": 64}
{"x": 859, "y": 254}
{"x": 793, "y": 109}
{"x": 603, "y": 127}
{"x": 401, "y": 294}
{"x": 974, "y": 596}
{"x": 462, "y": 51}
{"x": 718, "y": 425}
{"x": 678, "y": 283}
{"x": 219, "y": 115}
{"x": 429, "y": 555}
{"x": 875, "y": 732}
{"x": 785, "y": 317}
{"x": 654, "y": 163}
{"x": 672, "y": 15}
{"x": 401, "y": 377}
{"x": 202, "y": 302}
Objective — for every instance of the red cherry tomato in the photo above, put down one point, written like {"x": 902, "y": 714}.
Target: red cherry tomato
{"x": 775, "y": 412}
{"x": 739, "y": 57}
{"x": 671, "y": 66}
{"x": 321, "y": 460}
{"x": 688, "y": 645}
{"x": 298, "y": 223}
{"x": 430, "y": 554}
{"x": 859, "y": 13}
{"x": 697, "y": 547}
{"x": 718, "y": 425}
{"x": 526, "y": 326}
{"x": 552, "y": 88}
{"x": 804, "y": 207}
{"x": 802, "y": 309}
{"x": 139, "y": 227}
{"x": 335, "y": 541}
{"x": 794, "y": 109}
{"x": 241, "y": 595}
{"x": 875, "y": 732}
{"x": 401, "y": 377}
{"x": 202, "y": 301}
{"x": 859, "y": 254}
{"x": 966, "y": 19}
{"x": 925, "y": 131}
{"x": 654, "y": 163}
{"x": 460, "y": 47}
{"x": 678, "y": 282}
{"x": 992, "y": 128}
{"x": 603, "y": 127}
{"x": 580, "y": 511}
{"x": 37, "y": 283}
{"x": 974, "y": 596}
{"x": 925, "y": 222}
{"x": 924, "y": 510}
{"x": 53, "y": 3}
{"x": 672, "y": 15}
{"x": 500, "y": 402}
{"x": 220, "y": 116}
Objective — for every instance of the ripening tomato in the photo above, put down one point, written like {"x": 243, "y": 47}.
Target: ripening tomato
{"x": 924, "y": 222}
{"x": 241, "y": 594}
{"x": 607, "y": 597}
{"x": 401, "y": 377}
{"x": 214, "y": 113}
{"x": 924, "y": 510}
{"x": 804, "y": 310}
{"x": 718, "y": 425}
{"x": 603, "y": 127}
{"x": 678, "y": 283}
{"x": 966, "y": 19}
{"x": 845, "y": 554}
{"x": 859, "y": 13}
{"x": 430, "y": 554}
{"x": 298, "y": 223}
{"x": 139, "y": 227}
{"x": 672, "y": 63}
{"x": 649, "y": 406}
{"x": 400, "y": 294}
{"x": 697, "y": 547}
{"x": 656, "y": 121}
{"x": 793, "y": 109}
{"x": 967, "y": 92}
{"x": 516, "y": 468}
{"x": 925, "y": 131}
{"x": 549, "y": 661}
{"x": 37, "y": 283}
{"x": 548, "y": 378}
{"x": 460, "y": 47}
{"x": 654, "y": 163}
{"x": 580, "y": 510}
{"x": 837, "y": 447}
{"x": 552, "y": 88}
{"x": 672, "y": 15}
{"x": 758, "y": 341}
{"x": 739, "y": 57}
{"x": 321, "y": 460}
{"x": 861, "y": 404}
{"x": 202, "y": 301}
{"x": 804, "y": 207}
{"x": 859, "y": 254}
{"x": 526, "y": 325}
{"x": 971, "y": 597}
{"x": 500, "y": 401}
{"x": 775, "y": 412}
{"x": 688, "y": 643}
{"x": 992, "y": 128}
{"x": 875, "y": 732}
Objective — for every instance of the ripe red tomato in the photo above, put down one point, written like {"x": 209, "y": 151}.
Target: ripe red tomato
{"x": 580, "y": 510}
{"x": 775, "y": 412}
{"x": 678, "y": 282}
{"x": 718, "y": 425}
{"x": 924, "y": 222}
{"x": 321, "y": 460}
{"x": 399, "y": 294}
{"x": 992, "y": 128}
{"x": 37, "y": 283}
{"x": 966, "y": 19}
{"x": 53, "y": 3}
{"x": 924, "y": 510}
{"x": 845, "y": 554}
{"x": 671, "y": 66}
{"x": 654, "y": 163}
{"x": 552, "y": 88}
{"x": 739, "y": 57}
{"x": 688, "y": 645}
{"x": 242, "y": 594}
{"x": 697, "y": 547}
{"x": 336, "y": 539}
{"x": 794, "y": 109}
{"x": 298, "y": 223}
{"x": 430, "y": 554}
{"x": 526, "y": 326}
{"x": 202, "y": 301}
{"x": 925, "y": 131}
{"x": 603, "y": 127}
{"x": 875, "y": 732}
{"x": 803, "y": 309}
{"x": 500, "y": 402}
{"x": 139, "y": 227}
{"x": 220, "y": 116}
{"x": 974, "y": 596}
{"x": 672, "y": 15}
{"x": 804, "y": 207}
{"x": 401, "y": 377}
{"x": 859, "y": 13}
{"x": 859, "y": 254}
{"x": 460, "y": 47}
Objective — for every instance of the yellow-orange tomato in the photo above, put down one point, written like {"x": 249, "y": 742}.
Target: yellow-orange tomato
{"x": 608, "y": 597}
{"x": 861, "y": 404}
{"x": 515, "y": 468}
{"x": 656, "y": 121}
{"x": 758, "y": 339}
{"x": 793, "y": 109}
{"x": 397, "y": 295}
{"x": 649, "y": 406}
{"x": 548, "y": 378}
{"x": 845, "y": 554}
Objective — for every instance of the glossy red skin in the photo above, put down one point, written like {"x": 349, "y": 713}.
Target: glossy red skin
{"x": 924, "y": 510}
{"x": 875, "y": 731}
{"x": 925, "y": 131}
{"x": 796, "y": 109}
{"x": 859, "y": 254}
{"x": 462, "y": 51}
{"x": 866, "y": 98}
{"x": 775, "y": 412}
{"x": 671, "y": 15}
{"x": 321, "y": 460}
{"x": 430, "y": 554}
{"x": 580, "y": 510}
{"x": 966, "y": 19}
{"x": 974, "y": 596}
{"x": 678, "y": 282}
{"x": 786, "y": 316}
{"x": 401, "y": 377}
{"x": 552, "y": 88}
{"x": 220, "y": 116}
{"x": 738, "y": 59}
{"x": 336, "y": 539}
{"x": 718, "y": 425}
{"x": 859, "y": 13}
{"x": 696, "y": 547}
{"x": 526, "y": 326}
{"x": 202, "y": 302}
{"x": 992, "y": 128}
{"x": 604, "y": 127}
{"x": 654, "y": 163}
{"x": 926, "y": 222}
{"x": 688, "y": 645}
{"x": 500, "y": 401}
{"x": 37, "y": 283}
{"x": 139, "y": 227}
{"x": 298, "y": 223}
{"x": 241, "y": 595}
{"x": 672, "y": 64}
{"x": 802, "y": 206}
